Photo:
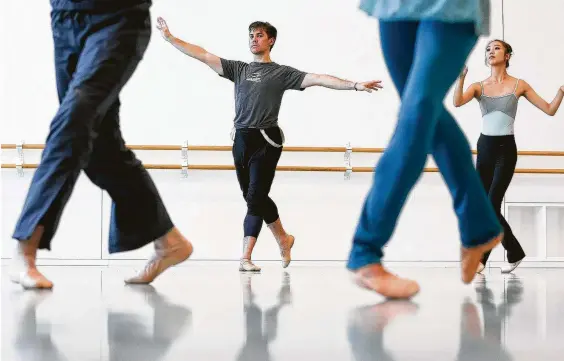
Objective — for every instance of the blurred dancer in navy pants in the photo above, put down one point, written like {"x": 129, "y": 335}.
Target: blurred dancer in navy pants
{"x": 98, "y": 45}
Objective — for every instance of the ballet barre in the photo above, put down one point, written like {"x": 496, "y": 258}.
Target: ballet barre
{"x": 220, "y": 148}
{"x": 184, "y": 165}
{"x": 292, "y": 168}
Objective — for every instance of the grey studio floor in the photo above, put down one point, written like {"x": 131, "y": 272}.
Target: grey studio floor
{"x": 211, "y": 312}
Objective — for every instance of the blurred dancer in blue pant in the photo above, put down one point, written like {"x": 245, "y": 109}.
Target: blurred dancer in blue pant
{"x": 98, "y": 45}
{"x": 425, "y": 45}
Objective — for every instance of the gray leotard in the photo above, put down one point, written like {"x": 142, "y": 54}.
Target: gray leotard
{"x": 498, "y": 113}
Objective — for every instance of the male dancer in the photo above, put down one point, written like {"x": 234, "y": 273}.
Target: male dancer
{"x": 258, "y": 141}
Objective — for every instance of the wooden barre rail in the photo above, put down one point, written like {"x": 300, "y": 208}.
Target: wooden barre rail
{"x": 292, "y": 168}
{"x": 219, "y": 148}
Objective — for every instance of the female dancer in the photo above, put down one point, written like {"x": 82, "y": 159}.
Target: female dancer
{"x": 425, "y": 45}
{"x": 498, "y": 96}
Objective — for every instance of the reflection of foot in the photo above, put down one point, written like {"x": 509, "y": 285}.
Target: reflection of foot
{"x": 514, "y": 290}
{"x": 479, "y": 282}
{"x": 366, "y": 328}
{"x": 33, "y": 299}
{"x": 169, "y": 251}
{"x": 285, "y": 279}
{"x": 145, "y": 291}
{"x": 246, "y": 284}
{"x": 246, "y": 279}
{"x": 376, "y": 317}
{"x": 484, "y": 294}
{"x": 285, "y": 294}
{"x": 172, "y": 319}
{"x": 471, "y": 319}
{"x": 169, "y": 318}
{"x": 34, "y": 341}
{"x": 376, "y": 278}
{"x": 510, "y": 267}
{"x": 246, "y": 265}
{"x": 470, "y": 258}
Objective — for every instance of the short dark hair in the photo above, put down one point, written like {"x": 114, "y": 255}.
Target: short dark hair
{"x": 506, "y": 46}
{"x": 268, "y": 28}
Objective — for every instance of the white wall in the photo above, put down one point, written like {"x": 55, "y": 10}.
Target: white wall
{"x": 172, "y": 98}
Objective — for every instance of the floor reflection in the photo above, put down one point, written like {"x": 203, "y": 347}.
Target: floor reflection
{"x": 33, "y": 340}
{"x": 92, "y": 316}
{"x": 366, "y": 327}
{"x": 367, "y": 324}
{"x": 486, "y": 344}
{"x": 129, "y": 339}
{"x": 261, "y": 326}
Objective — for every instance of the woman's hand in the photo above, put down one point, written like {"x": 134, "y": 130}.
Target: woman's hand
{"x": 163, "y": 28}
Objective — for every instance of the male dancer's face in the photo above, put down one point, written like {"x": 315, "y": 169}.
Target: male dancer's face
{"x": 259, "y": 43}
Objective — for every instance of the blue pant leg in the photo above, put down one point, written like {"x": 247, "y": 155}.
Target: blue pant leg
{"x": 112, "y": 45}
{"x": 440, "y": 52}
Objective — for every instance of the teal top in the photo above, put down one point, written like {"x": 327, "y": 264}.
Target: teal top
{"x": 498, "y": 113}
{"x": 451, "y": 11}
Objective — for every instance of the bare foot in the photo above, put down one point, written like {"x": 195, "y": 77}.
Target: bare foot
{"x": 31, "y": 278}
{"x": 24, "y": 269}
{"x": 170, "y": 250}
{"x": 470, "y": 258}
{"x": 246, "y": 265}
{"x": 286, "y": 245}
{"x": 284, "y": 240}
{"x": 376, "y": 278}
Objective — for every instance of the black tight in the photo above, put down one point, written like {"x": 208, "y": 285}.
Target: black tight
{"x": 255, "y": 164}
{"x": 497, "y": 157}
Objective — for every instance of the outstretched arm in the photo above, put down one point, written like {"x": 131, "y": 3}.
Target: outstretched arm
{"x": 331, "y": 82}
{"x": 191, "y": 50}
{"x": 535, "y": 99}
{"x": 461, "y": 98}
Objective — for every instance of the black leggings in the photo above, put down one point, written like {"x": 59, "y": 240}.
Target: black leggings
{"x": 255, "y": 164}
{"x": 497, "y": 157}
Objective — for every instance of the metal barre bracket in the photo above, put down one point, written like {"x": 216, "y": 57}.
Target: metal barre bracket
{"x": 348, "y": 166}
{"x": 184, "y": 157}
{"x": 20, "y": 160}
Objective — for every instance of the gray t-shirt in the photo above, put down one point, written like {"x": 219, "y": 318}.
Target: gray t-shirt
{"x": 259, "y": 88}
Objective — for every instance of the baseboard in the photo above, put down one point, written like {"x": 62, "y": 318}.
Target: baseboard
{"x": 295, "y": 263}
